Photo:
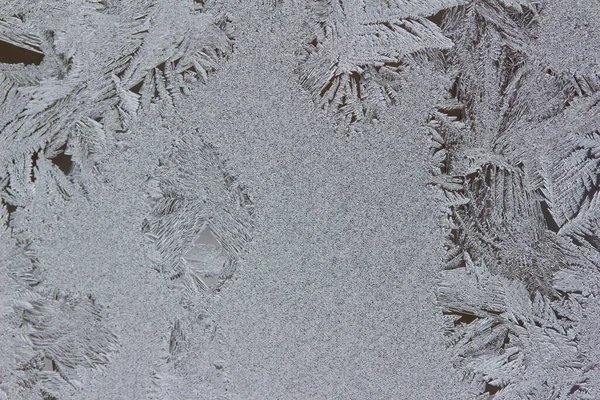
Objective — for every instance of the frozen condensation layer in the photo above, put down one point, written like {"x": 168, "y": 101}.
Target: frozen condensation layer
{"x": 322, "y": 199}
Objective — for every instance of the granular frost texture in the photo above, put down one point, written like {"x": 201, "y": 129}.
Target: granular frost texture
{"x": 320, "y": 199}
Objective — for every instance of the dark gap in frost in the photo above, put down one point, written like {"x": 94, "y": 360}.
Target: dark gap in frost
{"x": 63, "y": 161}
{"x": 137, "y": 87}
{"x": 456, "y": 113}
{"x": 34, "y": 157}
{"x": 394, "y": 64}
{"x": 550, "y": 223}
{"x": 356, "y": 77}
{"x": 574, "y": 389}
{"x": 454, "y": 88}
{"x": 521, "y": 166}
{"x": 11, "y": 54}
{"x": 464, "y": 318}
{"x": 491, "y": 389}
{"x": 576, "y": 241}
{"x": 342, "y": 103}
{"x": 9, "y": 207}
{"x": 438, "y": 18}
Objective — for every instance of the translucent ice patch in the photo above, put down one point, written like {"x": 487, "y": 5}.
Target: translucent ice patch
{"x": 206, "y": 257}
